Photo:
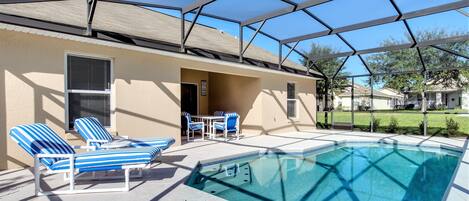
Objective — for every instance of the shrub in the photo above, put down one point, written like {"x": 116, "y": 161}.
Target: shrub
{"x": 452, "y": 126}
{"x": 409, "y": 106}
{"x": 376, "y": 123}
{"x": 393, "y": 125}
{"x": 440, "y": 107}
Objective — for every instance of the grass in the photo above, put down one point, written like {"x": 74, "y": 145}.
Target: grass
{"x": 408, "y": 121}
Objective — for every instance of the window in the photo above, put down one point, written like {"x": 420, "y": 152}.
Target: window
{"x": 88, "y": 89}
{"x": 291, "y": 101}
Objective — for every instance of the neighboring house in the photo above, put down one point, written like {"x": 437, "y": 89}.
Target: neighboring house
{"x": 383, "y": 99}
{"x": 439, "y": 97}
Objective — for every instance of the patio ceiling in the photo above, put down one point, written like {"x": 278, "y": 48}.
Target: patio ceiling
{"x": 297, "y": 24}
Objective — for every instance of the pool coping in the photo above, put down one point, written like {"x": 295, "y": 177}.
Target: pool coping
{"x": 453, "y": 188}
{"x": 316, "y": 148}
{"x": 319, "y": 147}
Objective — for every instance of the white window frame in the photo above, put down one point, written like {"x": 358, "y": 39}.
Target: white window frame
{"x": 297, "y": 109}
{"x": 109, "y": 92}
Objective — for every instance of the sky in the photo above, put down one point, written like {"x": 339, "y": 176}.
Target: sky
{"x": 336, "y": 13}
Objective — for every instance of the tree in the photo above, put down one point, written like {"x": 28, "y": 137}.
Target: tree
{"x": 326, "y": 66}
{"x": 394, "y": 63}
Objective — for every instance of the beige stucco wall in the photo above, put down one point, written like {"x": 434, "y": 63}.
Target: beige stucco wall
{"x": 238, "y": 94}
{"x": 196, "y": 77}
{"x": 146, "y": 91}
{"x": 274, "y": 115}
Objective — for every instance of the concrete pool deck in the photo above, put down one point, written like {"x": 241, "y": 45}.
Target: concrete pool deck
{"x": 165, "y": 180}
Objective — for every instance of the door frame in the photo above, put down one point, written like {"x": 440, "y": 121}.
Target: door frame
{"x": 197, "y": 88}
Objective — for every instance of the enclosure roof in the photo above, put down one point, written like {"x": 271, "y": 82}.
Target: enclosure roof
{"x": 346, "y": 27}
{"x": 139, "y": 26}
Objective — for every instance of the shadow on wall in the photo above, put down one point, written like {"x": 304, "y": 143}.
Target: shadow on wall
{"x": 310, "y": 116}
{"x": 239, "y": 94}
{"x": 140, "y": 116}
{"x": 271, "y": 93}
{"x": 42, "y": 107}
{"x": 233, "y": 93}
{"x": 41, "y": 115}
{"x": 293, "y": 123}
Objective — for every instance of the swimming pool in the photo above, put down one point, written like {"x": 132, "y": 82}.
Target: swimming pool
{"x": 344, "y": 172}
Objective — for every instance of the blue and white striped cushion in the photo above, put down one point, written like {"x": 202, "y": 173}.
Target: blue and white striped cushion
{"x": 219, "y": 126}
{"x": 195, "y": 127}
{"x": 91, "y": 129}
{"x": 40, "y": 139}
{"x": 162, "y": 143}
{"x": 109, "y": 159}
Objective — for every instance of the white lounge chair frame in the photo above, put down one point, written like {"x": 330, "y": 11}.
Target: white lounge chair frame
{"x": 73, "y": 172}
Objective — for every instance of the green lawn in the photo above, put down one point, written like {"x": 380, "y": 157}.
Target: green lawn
{"x": 408, "y": 122}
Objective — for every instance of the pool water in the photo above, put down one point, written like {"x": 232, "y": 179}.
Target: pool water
{"x": 346, "y": 172}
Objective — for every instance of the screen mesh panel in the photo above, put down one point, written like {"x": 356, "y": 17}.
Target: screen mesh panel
{"x": 438, "y": 59}
{"x": 242, "y": 10}
{"x": 404, "y": 60}
{"x": 413, "y": 5}
{"x": 290, "y": 25}
{"x": 172, "y": 3}
{"x": 331, "y": 42}
{"x": 353, "y": 66}
{"x": 346, "y": 12}
{"x": 378, "y": 36}
{"x": 438, "y": 26}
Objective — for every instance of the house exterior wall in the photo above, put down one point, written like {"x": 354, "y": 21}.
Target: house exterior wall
{"x": 454, "y": 99}
{"x": 464, "y": 100}
{"x": 274, "y": 104}
{"x": 447, "y": 100}
{"x": 146, "y": 91}
{"x": 382, "y": 103}
{"x": 232, "y": 93}
{"x": 269, "y": 108}
{"x": 379, "y": 103}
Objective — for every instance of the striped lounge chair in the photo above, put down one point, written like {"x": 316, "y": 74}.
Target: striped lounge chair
{"x": 57, "y": 156}
{"x": 230, "y": 124}
{"x": 95, "y": 135}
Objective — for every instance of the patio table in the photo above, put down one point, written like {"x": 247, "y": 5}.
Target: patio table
{"x": 209, "y": 119}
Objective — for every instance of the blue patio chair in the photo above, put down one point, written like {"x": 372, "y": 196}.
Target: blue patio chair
{"x": 57, "y": 156}
{"x": 95, "y": 134}
{"x": 230, "y": 124}
{"x": 192, "y": 126}
{"x": 218, "y": 113}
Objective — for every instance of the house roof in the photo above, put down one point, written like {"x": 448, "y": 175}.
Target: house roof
{"x": 121, "y": 20}
{"x": 360, "y": 90}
